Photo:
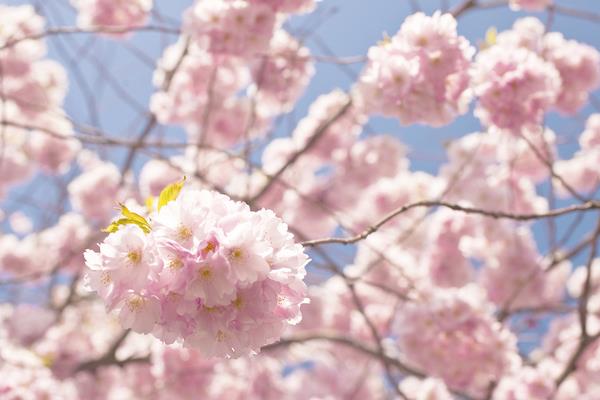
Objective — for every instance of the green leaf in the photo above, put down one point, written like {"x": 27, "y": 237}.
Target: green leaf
{"x": 133, "y": 216}
{"x": 129, "y": 218}
{"x": 114, "y": 226}
{"x": 170, "y": 193}
{"x": 490, "y": 38}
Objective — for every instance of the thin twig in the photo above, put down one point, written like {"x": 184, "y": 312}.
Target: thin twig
{"x": 587, "y": 206}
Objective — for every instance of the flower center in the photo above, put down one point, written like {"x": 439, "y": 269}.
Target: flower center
{"x": 210, "y": 246}
{"x": 105, "y": 278}
{"x": 238, "y": 302}
{"x": 236, "y": 254}
{"x": 205, "y": 273}
{"x": 135, "y": 302}
{"x": 184, "y": 233}
{"x": 134, "y": 257}
{"x": 175, "y": 263}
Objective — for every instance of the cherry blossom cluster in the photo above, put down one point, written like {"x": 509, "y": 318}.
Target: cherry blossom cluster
{"x": 205, "y": 270}
{"x": 48, "y": 366}
{"x": 529, "y": 5}
{"x": 557, "y": 348}
{"x": 35, "y": 130}
{"x": 452, "y": 336}
{"x": 580, "y": 171}
{"x": 112, "y": 14}
{"x": 234, "y": 71}
{"x": 528, "y": 72}
{"x": 420, "y": 75}
{"x": 38, "y": 253}
{"x": 498, "y": 171}
{"x": 425, "y": 285}
{"x": 93, "y": 193}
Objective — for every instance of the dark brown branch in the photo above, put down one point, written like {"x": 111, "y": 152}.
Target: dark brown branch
{"x": 309, "y": 144}
{"x": 590, "y": 205}
{"x": 109, "y": 358}
{"x": 582, "y": 310}
{"x": 64, "y": 30}
{"x": 571, "y": 12}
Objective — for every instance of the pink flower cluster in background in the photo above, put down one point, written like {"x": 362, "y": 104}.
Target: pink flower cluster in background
{"x": 420, "y": 75}
{"x": 31, "y": 98}
{"x": 116, "y": 14}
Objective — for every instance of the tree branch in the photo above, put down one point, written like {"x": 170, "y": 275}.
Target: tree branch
{"x": 587, "y": 206}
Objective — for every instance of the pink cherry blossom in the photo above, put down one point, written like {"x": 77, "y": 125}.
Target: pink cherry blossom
{"x": 155, "y": 175}
{"x": 455, "y": 326}
{"x": 289, "y": 6}
{"x": 526, "y": 383}
{"x": 112, "y": 14}
{"x": 579, "y": 68}
{"x": 515, "y": 87}
{"x": 420, "y": 74}
{"x": 94, "y": 192}
{"x": 237, "y": 27}
{"x": 19, "y": 22}
{"x": 529, "y": 5}
{"x": 282, "y": 75}
{"x": 211, "y": 272}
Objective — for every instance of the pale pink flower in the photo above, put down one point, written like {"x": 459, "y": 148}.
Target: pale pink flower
{"x": 289, "y": 6}
{"x": 514, "y": 273}
{"x": 155, "y": 175}
{"x": 339, "y": 136}
{"x": 14, "y": 167}
{"x": 236, "y": 27}
{"x": 128, "y": 255}
{"x": 484, "y": 172}
{"x": 138, "y": 312}
{"x": 245, "y": 255}
{"x": 526, "y": 32}
{"x": 200, "y": 75}
{"x": 420, "y": 75}
{"x": 444, "y": 258}
{"x": 94, "y": 192}
{"x": 590, "y": 138}
{"x": 210, "y": 272}
{"x": 210, "y": 281}
{"x": 28, "y": 323}
{"x": 54, "y": 147}
{"x": 424, "y": 389}
{"x": 515, "y": 87}
{"x": 452, "y": 335}
{"x": 19, "y": 22}
{"x": 22, "y": 257}
{"x": 579, "y": 68}
{"x": 529, "y": 5}
{"x": 282, "y": 75}
{"x": 20, "y": 223}
{"x": 127, "y": 14}
{"x": 525, "y": 384}
{"x": 581, "y": 172}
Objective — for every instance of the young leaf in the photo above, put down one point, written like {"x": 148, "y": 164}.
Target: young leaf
{"x": 170, "y": 193}
{"x": 134, "y": 216}
{"x": 490, "y": 37}
{"x": 114, "y": 226}
{"x": 129, "y": 217}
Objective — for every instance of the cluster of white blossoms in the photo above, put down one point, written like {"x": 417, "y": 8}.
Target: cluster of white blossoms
{"x": 202, "y": 269}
